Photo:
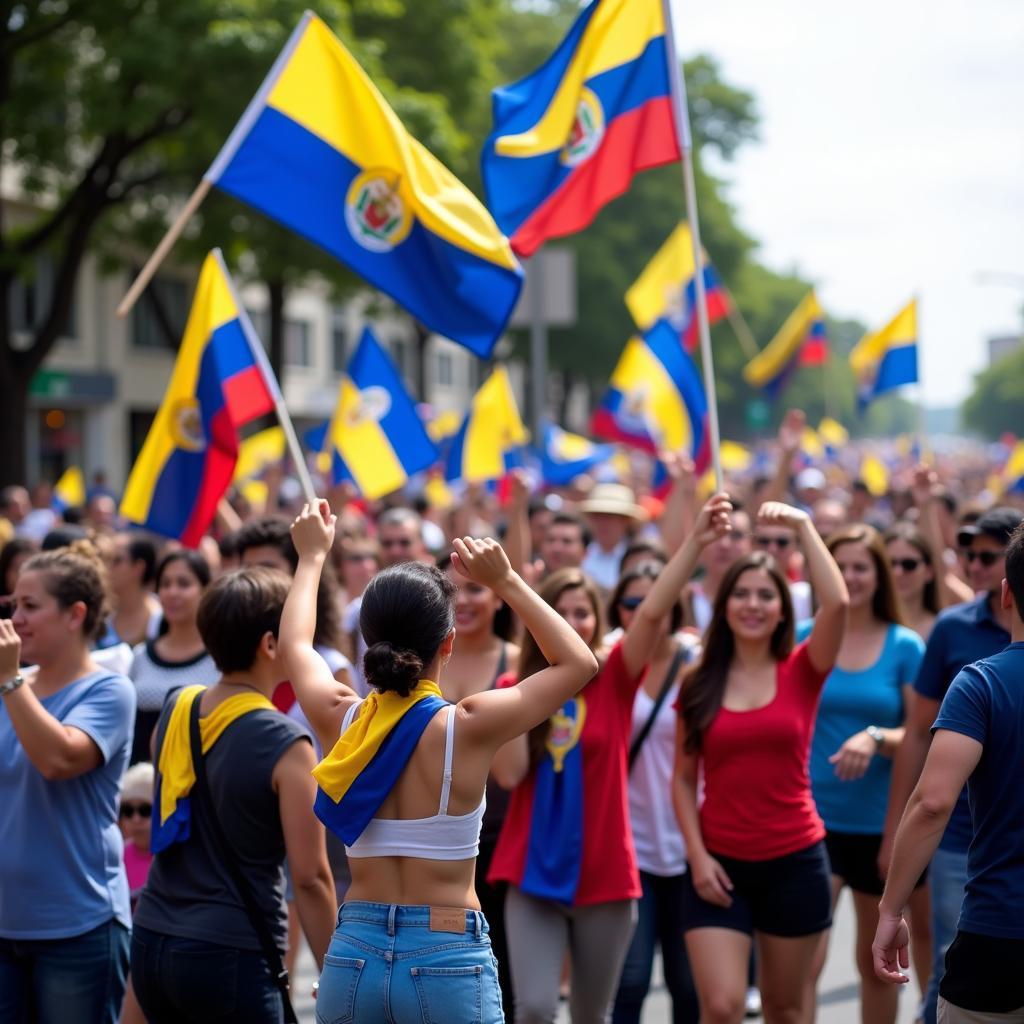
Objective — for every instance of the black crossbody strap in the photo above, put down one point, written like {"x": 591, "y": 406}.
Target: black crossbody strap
{"x": 227, "y": 857}
{"x": 673, "y": 671}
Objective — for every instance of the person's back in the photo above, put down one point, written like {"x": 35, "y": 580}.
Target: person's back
{"x": 411, "y": 941}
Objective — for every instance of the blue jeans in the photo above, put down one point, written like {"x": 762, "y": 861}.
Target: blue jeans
{"x": 185, "y": 981}
{"x": 947, "y": 876}
{"x": 385, "y": 965}
{"x": 659, "y": 922}
{"x": 79, "y": 980}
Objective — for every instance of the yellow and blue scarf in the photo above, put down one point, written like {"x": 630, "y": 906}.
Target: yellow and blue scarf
{"x": 370, "y": 755}
{"x": 176, "y": 774}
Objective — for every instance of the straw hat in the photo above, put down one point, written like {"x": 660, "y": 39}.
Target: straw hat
{"x": 614, "y": 500}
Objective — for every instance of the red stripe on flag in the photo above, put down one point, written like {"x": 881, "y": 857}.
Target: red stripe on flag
{"x": 718, "y": 307}
{"x": 814, "y": 352}
{"x": 217, "y": 474}
{"x": 247, "y": 396}
{"x": 643, "y": 138}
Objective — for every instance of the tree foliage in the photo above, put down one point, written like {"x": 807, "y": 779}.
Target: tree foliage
{"x": 996, "y": 405}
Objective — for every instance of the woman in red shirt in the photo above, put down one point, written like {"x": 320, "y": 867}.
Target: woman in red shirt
{"x": 757, "y": 859}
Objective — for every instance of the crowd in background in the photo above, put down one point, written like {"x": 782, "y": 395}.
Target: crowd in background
{"x": 771, "y": 664}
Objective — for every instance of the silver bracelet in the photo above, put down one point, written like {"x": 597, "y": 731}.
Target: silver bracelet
{"x": 11, "y": 685}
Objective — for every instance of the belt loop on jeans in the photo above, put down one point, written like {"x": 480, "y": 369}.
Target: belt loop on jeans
{"x": 392, "y": 914}
{"x": 478, "y": 918}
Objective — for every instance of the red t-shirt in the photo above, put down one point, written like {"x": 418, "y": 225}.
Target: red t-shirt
{"x": 608, "y": 870}
{"x": 757, "y": 791}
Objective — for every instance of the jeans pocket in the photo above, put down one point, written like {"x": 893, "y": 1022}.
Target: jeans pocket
{"x": 203, "y": 981}
{"x": 336, "y": 997}
{"x": 449, "y": 995}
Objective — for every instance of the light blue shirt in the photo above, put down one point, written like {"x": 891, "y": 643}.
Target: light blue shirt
{"x": 61, "y": 860}
{"x": 850, "y": 702}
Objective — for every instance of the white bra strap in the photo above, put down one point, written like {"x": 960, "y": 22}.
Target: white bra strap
{"x": 350, "y": 714}
{"x": 449, "y": 743}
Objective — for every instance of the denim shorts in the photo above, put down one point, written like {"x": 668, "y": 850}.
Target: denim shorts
{"x": 409, "y": 965}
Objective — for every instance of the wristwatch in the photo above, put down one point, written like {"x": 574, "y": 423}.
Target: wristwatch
{"x": 876, "y": 734}
{"x": 11, "y": 685}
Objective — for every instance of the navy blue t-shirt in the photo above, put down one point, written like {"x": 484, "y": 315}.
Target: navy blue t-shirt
{"x": 986, "y": 702}
{"x": 961, "y": 635}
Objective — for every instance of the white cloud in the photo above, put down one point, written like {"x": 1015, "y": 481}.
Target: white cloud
{"x": 891, "y": 159}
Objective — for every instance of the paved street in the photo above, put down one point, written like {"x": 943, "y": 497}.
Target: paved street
{"x": 837, "y": 994}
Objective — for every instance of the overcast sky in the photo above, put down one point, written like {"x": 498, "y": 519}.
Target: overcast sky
{"x": 891, "y": 159}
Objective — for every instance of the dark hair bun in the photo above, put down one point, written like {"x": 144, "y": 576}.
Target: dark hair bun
{"x": 395, "y": 669}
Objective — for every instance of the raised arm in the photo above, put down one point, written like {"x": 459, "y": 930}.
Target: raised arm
{"x": 949, "y": 587}
{"x": 712, "y": 522}
{"x": 323, "y": 699}
{"x": 680, "y": 512}
{"x": 825, "y": 578}
{"x": 517, "y": 520}
{"x": 791, "y": 431}
{"x": 495, "y": 716}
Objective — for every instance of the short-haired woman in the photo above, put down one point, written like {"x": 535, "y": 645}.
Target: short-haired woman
{"x": 65, "y": 734}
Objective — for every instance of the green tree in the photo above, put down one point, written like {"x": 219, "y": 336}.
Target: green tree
{"x": 996, "y": 404}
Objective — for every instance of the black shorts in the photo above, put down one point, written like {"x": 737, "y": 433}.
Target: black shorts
{"x": 854, "y": 859}
{"x": 787, "y": 896}
{"x": 983, "y": 973}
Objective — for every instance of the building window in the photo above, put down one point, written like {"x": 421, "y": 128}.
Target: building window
{"x": 445, "y": 370}
{"x": 30, "y": 297}
{"x": 160, "y": 315}
{"x": 339, "y": 342}
{"x": 297, "y": 348}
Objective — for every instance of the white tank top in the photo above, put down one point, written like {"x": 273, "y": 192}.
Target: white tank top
{"x": 443, "y": 836}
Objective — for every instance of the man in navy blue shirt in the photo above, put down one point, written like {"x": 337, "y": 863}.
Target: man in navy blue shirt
{"x": 978, "y": 739}
{"x": 961, "y": 635}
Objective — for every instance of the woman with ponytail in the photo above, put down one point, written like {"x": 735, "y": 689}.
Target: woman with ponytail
{"x": 65, "y": 735}
{"x": 404, "y": 783}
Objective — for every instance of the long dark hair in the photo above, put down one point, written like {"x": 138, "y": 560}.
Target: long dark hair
{"x": 703, "y": 687}
{"x": 910, "y": 534}
{"x": 885, "y": 604}
{"x": 531, "y": 660}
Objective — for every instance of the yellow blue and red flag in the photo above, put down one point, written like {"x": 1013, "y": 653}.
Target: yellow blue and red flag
{"x": 491, "y": 434}
{"x": 667, "y": 288}
{"x": 320, "y": 151}
{"x": 655, "y": 398}
{"x": 258, "y": 451}
{"x": 568, "y": 138}
{"x": 370, "y": 755}
{"x": 887, "y": 359}
{"x": 69, "y": 490}
{"x": 221, "y": 381}
{"x": 376, "y": 438}
{"x": 1012, "y": 476}
{"x": 802, "y": 331}
{"x": 565, "y": 456}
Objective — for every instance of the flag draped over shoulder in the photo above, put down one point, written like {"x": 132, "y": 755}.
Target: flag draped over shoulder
{"x": 320, "y": 151}
{"x": 370, "y": 755}
{"x": 176, "y": 775}
{"x": 803, "y": 330}
{"x": 667, "y": 289}
{"x": 887, "y": 359}
{"x": 492, "y": 431}
{"x": 221, "y": 381}
{"x": 376, "y": 438}
{"x": 569, "y": 137}
{"x": 655, "y": 398}
{"x": 565, "y": 456}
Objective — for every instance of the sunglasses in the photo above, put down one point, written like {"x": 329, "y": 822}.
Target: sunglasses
{"x": 906, "y": 564}
{"x": 630, "y": 604}
{"x": 773, "y": 542}
{"x": 987, "y": 558}
{"x": 143, "y": 810}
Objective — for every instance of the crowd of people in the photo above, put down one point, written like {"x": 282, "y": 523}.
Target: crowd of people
{"x": 525, "y": 744}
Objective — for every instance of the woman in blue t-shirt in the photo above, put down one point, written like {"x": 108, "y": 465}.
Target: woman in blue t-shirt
{"x": 65, "y": 734}
{"x": 858, "y": 730}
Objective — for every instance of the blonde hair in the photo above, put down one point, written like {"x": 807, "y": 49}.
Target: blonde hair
{"x": 72, "y": 574}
